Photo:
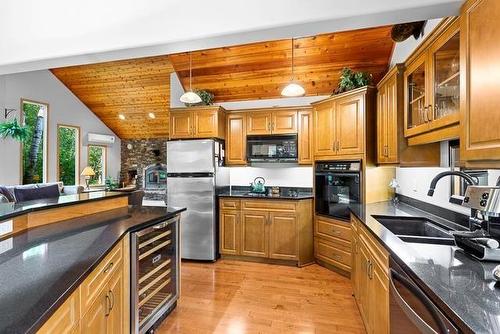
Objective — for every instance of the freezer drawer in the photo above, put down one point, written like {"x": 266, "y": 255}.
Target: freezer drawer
{"x": 198, "y": 229}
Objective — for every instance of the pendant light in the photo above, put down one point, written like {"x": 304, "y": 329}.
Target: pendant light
{"x": 293, "y": 89}
{"x": 190, "y": 97}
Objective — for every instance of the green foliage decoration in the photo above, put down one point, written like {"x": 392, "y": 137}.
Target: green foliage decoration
{"x": 12, "y": 129}
{"x": 350, "y": 80}
{"x": 207, "y": 98}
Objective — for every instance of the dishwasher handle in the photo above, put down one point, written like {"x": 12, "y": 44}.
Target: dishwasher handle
{"x": 409, "y": 312}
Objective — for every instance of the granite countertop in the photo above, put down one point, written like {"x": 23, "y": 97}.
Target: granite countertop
{"x": 285, "y": 193}
{"x": 9, "y": 210}
{"x": 41, "y": 267}
{"x": 460, "y": 285}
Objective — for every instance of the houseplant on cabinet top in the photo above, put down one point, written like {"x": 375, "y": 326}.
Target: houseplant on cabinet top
{"x": 350, "y": 80}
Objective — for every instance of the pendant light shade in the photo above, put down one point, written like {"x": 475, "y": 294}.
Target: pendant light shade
{"x": 190, "y": 97}
{"x": 293, "y": 89}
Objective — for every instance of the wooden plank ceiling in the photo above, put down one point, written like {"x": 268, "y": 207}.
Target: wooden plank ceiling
{"x": 261, "y": 70}
{"x": 133, "y": 88}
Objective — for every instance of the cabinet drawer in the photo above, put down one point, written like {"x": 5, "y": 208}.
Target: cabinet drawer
{"x": 98, "y": 278}
{"x": 66, "y": 318}
{"x": 332, "y": 253}
{"x": 268, "y": 205}
{"x": 332, "y": 229}
{"x": 230, "y": 204}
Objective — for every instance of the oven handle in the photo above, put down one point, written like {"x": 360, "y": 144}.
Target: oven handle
{"x": 410, "y": 313}
{"x": 338, "y": 173}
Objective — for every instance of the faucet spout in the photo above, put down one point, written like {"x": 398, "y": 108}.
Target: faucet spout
{"x": 469, "y": 179}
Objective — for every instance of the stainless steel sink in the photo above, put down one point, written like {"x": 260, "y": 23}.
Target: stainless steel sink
{"x": 420, "y": 230}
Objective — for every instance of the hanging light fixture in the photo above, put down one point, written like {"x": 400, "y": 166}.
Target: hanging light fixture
{"x": 190, "y": 96}
{"x": 293, "y": 89}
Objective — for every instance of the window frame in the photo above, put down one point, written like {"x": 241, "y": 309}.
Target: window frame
{"x": 77, "y": 157}
{"x": 105, "y": 169}
{"x": 45, "y": 155}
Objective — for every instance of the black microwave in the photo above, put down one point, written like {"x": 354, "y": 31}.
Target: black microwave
{"x": 275, "y": 148}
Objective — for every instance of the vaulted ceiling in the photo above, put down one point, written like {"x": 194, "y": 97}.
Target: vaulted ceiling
{"x": 134, "y": 88}
{"x": 137, "y": 87}
{"x": 261, "y": 70}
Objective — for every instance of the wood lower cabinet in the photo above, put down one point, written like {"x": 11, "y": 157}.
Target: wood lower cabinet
{"x": 370, "y": 279}
{"x": 340, "y": 124}
{"x": 332, "y": 243}
{"x": 479, "y": 51}
{"x": 255, "y": 233}
{"x": 283, "y": 242}
{"x": 236, "y": 139}
{"x": 100, "y": 304}
{"x": 197, "y": 122}
{"x": 266, "y": 229}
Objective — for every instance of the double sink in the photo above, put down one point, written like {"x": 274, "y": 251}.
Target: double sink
{"x": 420, "y": 230}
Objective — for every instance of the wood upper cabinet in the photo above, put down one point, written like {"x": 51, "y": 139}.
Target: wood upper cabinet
{"x": 229, "y": 229}
{"x": 479, "y": 55}
{"x": 349, "y": 125}
{"x": 197, "y": 122}
{"x": 305, "y": 140}
{"x": 254, "y": 233}
{"x": 181, "y": 125}
{"x": 236, "y": 139}
{"x": 259, "y": 123}
{"x": 432, "y": 87}
{"x": 283, "y": 242}
{"x": 340, "y": 123}
{"x": 269, "y": 121}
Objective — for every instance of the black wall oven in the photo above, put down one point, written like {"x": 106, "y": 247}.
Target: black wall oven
{"x": 337, "y": 186}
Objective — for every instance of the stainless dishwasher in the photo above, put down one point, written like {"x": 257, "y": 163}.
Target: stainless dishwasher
{"x": 154, "y": 274}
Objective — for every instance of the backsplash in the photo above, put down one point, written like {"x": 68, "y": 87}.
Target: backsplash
{"x": 285, "y": 176}
{"x": 414, "y": 183}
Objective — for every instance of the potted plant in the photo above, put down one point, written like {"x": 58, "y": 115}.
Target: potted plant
{"x": 12, "y": 129}
{"x": 350, "y": 80}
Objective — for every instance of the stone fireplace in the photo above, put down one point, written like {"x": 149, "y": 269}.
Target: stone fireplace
{"x": 143, "y": 163}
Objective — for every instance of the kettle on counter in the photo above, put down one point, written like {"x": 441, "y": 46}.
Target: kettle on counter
{"x": 258, "y": 185}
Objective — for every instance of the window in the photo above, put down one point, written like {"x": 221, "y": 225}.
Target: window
{"x": 97, "y": 160}
{"x": 68, "y": 154}
{"x": 34, "y": 149}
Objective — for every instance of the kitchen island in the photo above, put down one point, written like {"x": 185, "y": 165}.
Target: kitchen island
{"x": 43, "y": 266}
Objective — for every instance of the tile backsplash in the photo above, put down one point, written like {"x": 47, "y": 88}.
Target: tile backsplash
{"x": 283, "y": 176}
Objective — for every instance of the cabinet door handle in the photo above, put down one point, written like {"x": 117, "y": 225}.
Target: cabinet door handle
{"x": 426, "y": 119}
{"x": 108, "y": 305}
{"x": 108, "y": 268}
{"x": 337, "y": 257}
{"x": 335, "y": 232}
{"x": 370, "y": 270}
{"x": 112, "y": 295}
{"x": 430, "y": 116}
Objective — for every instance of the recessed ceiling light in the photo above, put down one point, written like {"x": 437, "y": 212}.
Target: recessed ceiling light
{"x": 151, "y": 115}
{"x": 121, "y": 116}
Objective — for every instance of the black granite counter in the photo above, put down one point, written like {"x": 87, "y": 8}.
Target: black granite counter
{"x": 9, "y": 210}
{"x": 285, "y": 193}
{"x": 41, "y": 267}
{"x": 460, "y": 285}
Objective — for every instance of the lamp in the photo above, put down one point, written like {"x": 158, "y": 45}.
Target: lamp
{"x": 190, "y": 97}
{"x": 88, "y": 172}
{"x": 293, "y": 89}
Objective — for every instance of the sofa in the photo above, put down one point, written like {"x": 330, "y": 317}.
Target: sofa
{"x": 39, "y": 190}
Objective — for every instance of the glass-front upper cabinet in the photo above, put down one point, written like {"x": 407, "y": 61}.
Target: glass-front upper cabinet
{"x": 432, "y": 86}
{"x": 446, "y": 77}
{"x": 416, "y": 77}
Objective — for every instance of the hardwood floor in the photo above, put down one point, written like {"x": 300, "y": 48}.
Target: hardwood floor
{"x": 242, "y": 297}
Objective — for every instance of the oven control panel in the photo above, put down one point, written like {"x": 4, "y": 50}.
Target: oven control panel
{"x": 348, "y": 166}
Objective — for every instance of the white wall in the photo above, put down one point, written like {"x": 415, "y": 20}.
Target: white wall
{"x": 277, "y": 176}
{"x": 404, "y": 49}
{"x": 64, "y": 108}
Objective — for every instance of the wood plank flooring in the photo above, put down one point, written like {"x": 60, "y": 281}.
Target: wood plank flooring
{"x": 242, "y": 297}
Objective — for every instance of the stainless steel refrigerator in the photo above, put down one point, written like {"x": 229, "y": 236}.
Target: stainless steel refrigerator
{"x": 194, "y": 173}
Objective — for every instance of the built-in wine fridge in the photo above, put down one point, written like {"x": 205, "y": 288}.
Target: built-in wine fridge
{"x": 154, "y": 274}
